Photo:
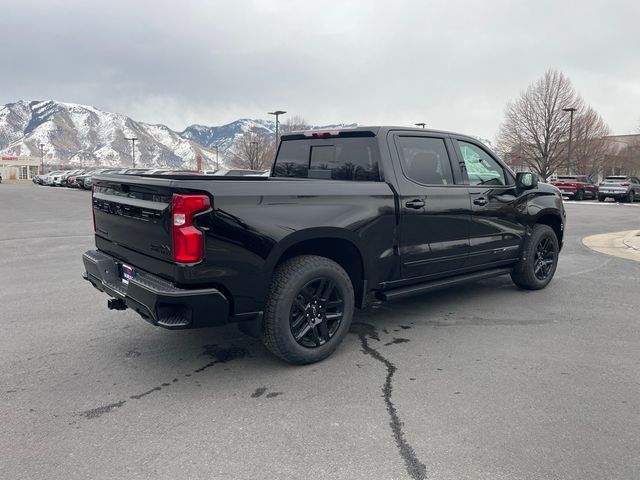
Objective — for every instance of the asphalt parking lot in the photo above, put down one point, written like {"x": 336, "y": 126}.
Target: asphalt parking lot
{"x": 480, "y": 382}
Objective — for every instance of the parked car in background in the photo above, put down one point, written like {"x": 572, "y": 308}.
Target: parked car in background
{"x": 621, "y": 188}
{"x": 88, "y": 181}
{"x": 70, "y": 180}
{"x": 79, "y": 180}
{"x": 60, "y": 179}
{"x": 578, "y": 187}
{"x": 52, "y": 177}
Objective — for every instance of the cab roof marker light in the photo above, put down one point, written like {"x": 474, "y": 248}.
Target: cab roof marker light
{"x": 322, "y": 133}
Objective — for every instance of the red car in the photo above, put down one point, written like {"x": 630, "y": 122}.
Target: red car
{"x": 578, "y": 187}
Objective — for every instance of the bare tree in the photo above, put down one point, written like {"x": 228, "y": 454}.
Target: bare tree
{"x": 293, "y": 124}
{"x": 253, "y": 151}
{"x": 536, "y": 129}
{"x": 589, "y": 145}
{"x": 623, "y": 155}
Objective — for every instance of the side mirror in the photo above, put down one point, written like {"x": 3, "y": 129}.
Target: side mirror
{"x": 526, "y": 180}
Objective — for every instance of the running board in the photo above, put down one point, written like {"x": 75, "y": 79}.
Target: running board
{"x": 396, "y": 293}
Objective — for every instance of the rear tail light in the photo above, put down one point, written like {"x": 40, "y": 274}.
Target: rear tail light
{"x": 188, "y": 241}
{"x": 625, "y": 184}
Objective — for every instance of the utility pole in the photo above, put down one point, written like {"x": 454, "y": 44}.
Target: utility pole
{"x": 277, "y": 113}
{"x": 133, "y": 150}
{"x": 420, "y": 124}
{"x": 570, "y": 110}
{"x": 42, "y": 159}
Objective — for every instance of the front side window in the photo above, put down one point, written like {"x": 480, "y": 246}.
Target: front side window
{"x": 425, "y": 160}
{"x": 482, "y": 169}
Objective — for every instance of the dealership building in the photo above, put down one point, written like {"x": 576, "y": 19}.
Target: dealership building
{"x": 19, "y": 168}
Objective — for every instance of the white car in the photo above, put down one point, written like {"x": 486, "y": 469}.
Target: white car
{"x": 47, "y": 178}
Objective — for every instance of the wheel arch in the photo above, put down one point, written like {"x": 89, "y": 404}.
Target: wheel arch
{"x": 337, "y": 244}
{"x": 554, "y": 221}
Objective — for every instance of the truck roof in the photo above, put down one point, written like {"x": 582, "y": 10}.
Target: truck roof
{"x": 364, "y": 131}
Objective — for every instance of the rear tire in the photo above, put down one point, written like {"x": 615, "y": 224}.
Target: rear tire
{"x": 601, "y": 198}
{"x": 631, "y": 197}
{"x": 579, "y": 196}
{"x": 539, "y": 259}
{"x": 309, "y": 309}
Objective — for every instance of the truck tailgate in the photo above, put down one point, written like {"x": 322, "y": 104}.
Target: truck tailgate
{"x": 134, "y": 212}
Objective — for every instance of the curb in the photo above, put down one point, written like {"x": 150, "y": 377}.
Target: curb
{"x": 632, "y": 240}
{"x": 618, "y": 244}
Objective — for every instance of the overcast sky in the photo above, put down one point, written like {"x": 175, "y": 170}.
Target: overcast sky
{"x": 451, "y": 64}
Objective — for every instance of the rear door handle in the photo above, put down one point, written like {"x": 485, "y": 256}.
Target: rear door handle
{"x": 417, "y": 203}
{"x": 480, "y": 201}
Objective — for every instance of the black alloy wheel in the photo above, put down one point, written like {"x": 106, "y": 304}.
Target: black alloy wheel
{"x": 545, "y": 258}
{"x": 539, "y": 259}
{"x": 309, "y": 309}
{"x": 316, "y": 312}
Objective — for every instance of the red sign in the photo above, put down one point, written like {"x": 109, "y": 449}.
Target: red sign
{"x": 9, "y": 158}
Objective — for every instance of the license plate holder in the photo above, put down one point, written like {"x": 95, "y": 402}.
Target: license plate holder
{"x": 126, "y": 273}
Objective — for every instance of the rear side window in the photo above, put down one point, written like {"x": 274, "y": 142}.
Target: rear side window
{"x": 293, "y": 160}
{"x": 425, "y": 160}
{"x": 335, "y": 159}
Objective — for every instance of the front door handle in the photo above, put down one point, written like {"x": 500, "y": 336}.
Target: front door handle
{"x": 480, "y": 201}
{"x": 417, "y": 203}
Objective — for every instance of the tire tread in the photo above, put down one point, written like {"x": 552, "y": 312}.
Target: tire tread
{"x": 275, "y": 340}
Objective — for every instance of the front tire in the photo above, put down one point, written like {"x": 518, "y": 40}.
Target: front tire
{"x": 601, "y": 198}
{"x": 579, "y": 196}
{"x": 309, "y": 309}
{"x": 539, "y": 259}
{"x": 631, "y": 197}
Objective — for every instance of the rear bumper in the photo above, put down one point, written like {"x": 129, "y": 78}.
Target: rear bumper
{"x": 613, "y": 193}
{"x": 155, "y": 299}
{"x": 567, "y": 190}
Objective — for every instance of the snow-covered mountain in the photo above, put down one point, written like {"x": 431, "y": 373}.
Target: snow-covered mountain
{"x": 75, "y": 134}
{"x": 225, "y": 136}
{"x": 81, "y": 135}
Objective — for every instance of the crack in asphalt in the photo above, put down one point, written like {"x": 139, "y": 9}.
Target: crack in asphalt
{"x": 415, "y": 468}
{"x": 97, "y": 412}
{"x": 219, "y": 354}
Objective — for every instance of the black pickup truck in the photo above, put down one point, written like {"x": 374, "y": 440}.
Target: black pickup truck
{"x": 346, "y": 218}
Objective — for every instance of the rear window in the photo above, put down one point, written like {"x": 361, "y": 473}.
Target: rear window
{"x": 332, "y": 159}
{"x": 566, "y": 179}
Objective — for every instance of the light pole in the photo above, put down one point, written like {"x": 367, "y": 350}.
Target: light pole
{"x": 133, "y": 150}
{"x": 42, "y": 159}
{"x": 420, "y": 124}
{"x": 570, "y": 110}
{"x": 277, "y": 113}
{"x": 217, "y": 165}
